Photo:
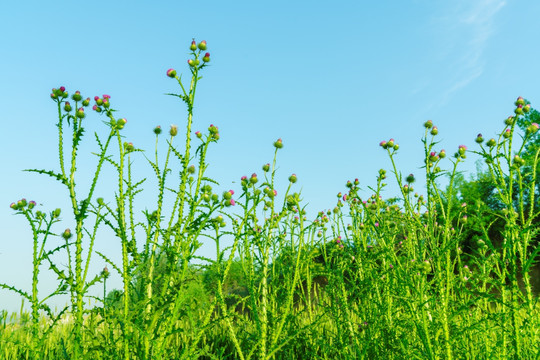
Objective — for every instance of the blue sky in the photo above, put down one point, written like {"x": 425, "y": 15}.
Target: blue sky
{"x": 331, "y": 80}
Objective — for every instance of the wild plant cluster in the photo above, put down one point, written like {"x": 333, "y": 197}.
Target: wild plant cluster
{"x": 443, "y": 275}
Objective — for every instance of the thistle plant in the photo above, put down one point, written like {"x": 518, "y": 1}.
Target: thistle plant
{"x": 432, "y": 272}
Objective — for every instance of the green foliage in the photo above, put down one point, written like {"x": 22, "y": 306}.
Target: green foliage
{"x": 448, "y": 274}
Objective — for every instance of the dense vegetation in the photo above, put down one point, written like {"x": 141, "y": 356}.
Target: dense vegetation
{"x": 448, "y": 274}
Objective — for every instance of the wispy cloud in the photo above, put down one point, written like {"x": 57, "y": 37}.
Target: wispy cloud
{"x": 473, "y": 22}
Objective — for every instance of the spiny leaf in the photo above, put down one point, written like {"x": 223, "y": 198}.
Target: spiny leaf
{"x": 57, "y": 176}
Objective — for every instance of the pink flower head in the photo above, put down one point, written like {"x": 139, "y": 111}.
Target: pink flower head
{"x": 171, "y": 73}
{"x": 275, "y": 192}
{"x": 105, "y": 96}
{"x": 376, "y": 224}
{"x": 345, "y": 197}
{"x": 62, "y": 89}
{"x": 243, "y": 178}
{"x": 232, "y": 202}
{"x": 232, "y": 192}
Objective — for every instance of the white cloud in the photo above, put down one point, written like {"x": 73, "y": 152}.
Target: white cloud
{"x": 470, "y": 27}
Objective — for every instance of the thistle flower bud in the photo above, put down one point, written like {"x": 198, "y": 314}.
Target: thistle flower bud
{"x": 507, "y": 133}
{"x": 491, "y": 142}
{"x": 174, "y": 130}
{"x": 56, "y": 212}
{"x": 293, "y": 178}
{"x": 479, "y": 139}
{"x": 193, "y": 46}
{"x": 67, "y": 106}
{"x": 80, "y": 113}
{"x": 191, "y": 62}
{"x": 198, "y": 134}
{"x": 520, "y": 101}
{"x": 519, "y": 110}
{"x": 31, "y": 204}
{"x": 77, "y": 96}
{"x": 86, "y": 102}
{"x": 253, "y": 179}
{"x": 171, "y": 73}
{"x": 266, "y": 167}
{"x": 278, "y": 144}
{"x": 157, "y": 130}
{"x": 410, "y": 178}
{"x": 129, "y": 146}
{"x": 14, "y": 206}
{"x": 428, "y": 124}
{"x": 105, "y": 273}
{"x": 202, "y": 45}
{"x": 191, "y": 169}
{"x": 383, "y": 144}
{"x": 67, "y": 234}
{"x": 526, "y": 108}
{"x": 206, "y": 57}
{"x": 518, "y": 161}
{"x": 462, "y": 149}
{"x": 96, "y": 108}
{"x": 509, "y": 121}
{"x": 434, "y": 131}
